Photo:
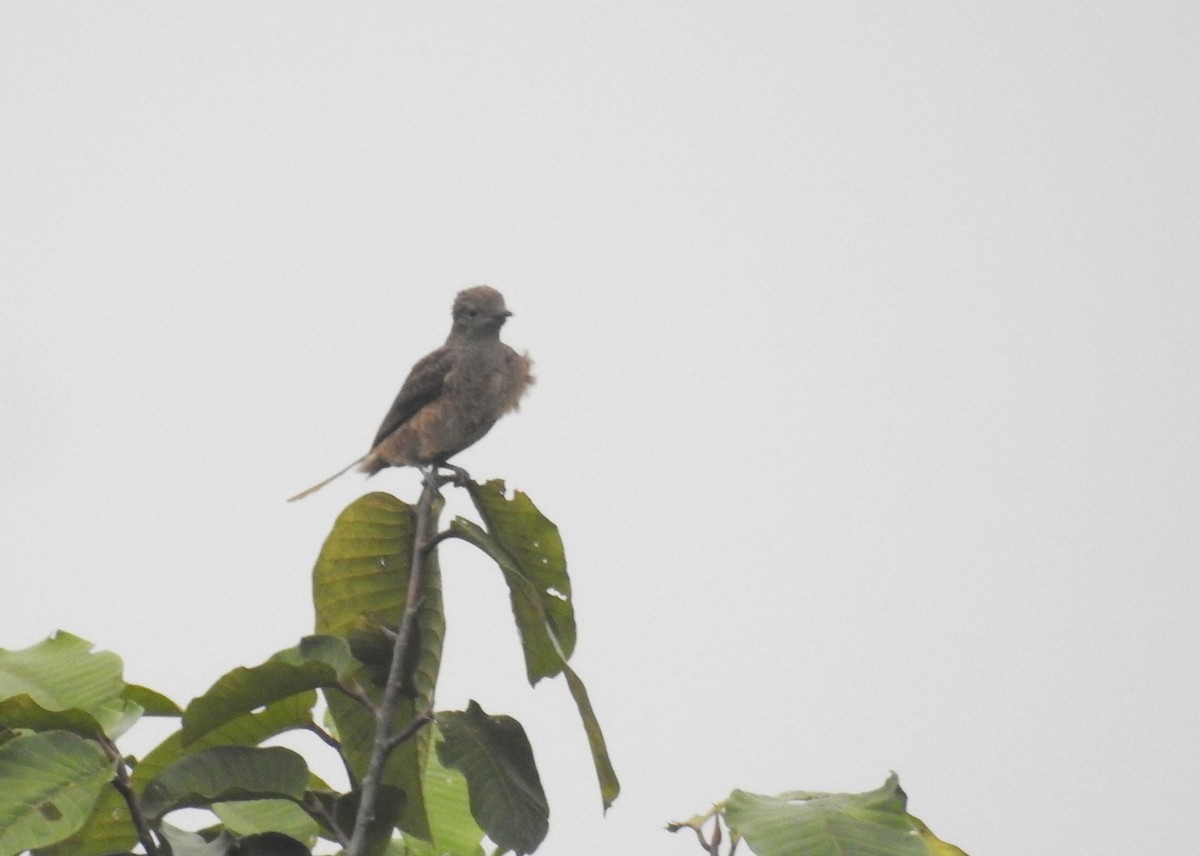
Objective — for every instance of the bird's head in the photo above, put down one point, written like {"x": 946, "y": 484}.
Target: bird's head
{"x": 479, "y": 311}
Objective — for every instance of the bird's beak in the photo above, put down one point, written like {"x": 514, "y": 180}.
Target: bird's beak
{"x": 503, "y": 313}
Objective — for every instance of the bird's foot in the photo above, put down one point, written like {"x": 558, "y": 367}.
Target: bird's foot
{"x": 459, "y": 477}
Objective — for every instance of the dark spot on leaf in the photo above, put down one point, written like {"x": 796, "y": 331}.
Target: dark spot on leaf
{"x": 49, "y": 811}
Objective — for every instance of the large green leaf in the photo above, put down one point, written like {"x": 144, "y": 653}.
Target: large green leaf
{"x": 529, "y": 552}
{"x": 109, "y": 828}
{"x": 363, "y": 565}
{"x": 318, "y": 661}
{"x": 48, "y": 785}
{"x": 874, "y": 823}
{"x": 505, "y": 790}
{"x": 60, "y": 684}
{"x": 108, "y": 719}
{"x": 224, "y": 773}
{"x": 61, "y": 672}
{"x": 360, "y": 583}
{"x": 251, "y": 729}
{"x": 447, "y": 800}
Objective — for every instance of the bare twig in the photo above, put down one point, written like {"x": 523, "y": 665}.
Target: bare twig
{"x": 712, "y": 845}
{"x": 385, "y": 714}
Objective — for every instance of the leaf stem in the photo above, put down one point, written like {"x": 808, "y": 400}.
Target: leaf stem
{"x": 125, "y": 788}
{"x": 315, "y": 807}
{"x": 444, "y": 535}
{"x": 331, "y": 741}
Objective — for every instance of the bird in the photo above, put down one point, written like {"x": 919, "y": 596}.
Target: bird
{"x": 452, "y": 396}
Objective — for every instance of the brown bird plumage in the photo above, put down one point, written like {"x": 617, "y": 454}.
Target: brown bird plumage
{"x": 453, "y": 396}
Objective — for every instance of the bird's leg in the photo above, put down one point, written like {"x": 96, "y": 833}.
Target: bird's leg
{"x": 460, "y": 477}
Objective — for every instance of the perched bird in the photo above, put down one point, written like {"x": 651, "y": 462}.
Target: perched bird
{"x": 453, "y": 396}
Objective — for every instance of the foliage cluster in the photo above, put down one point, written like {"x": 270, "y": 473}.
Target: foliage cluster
{"x": 421, "y": 782}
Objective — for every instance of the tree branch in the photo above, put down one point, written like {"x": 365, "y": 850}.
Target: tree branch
{"x": 385, "y": 714}
{"x": 315, "y": 807}
{"x": 410, "y": 730}
{"x": 125, "y": 789}
{"x": 444, "y": 535}
{"x": 331, "y": 741}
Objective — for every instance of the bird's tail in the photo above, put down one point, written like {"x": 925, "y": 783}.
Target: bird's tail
{"x": 322, "y": 484}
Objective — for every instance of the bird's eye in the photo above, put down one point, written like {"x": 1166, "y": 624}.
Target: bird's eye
{"x": 471, "y": 313}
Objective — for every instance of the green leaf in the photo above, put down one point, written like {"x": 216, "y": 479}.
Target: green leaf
{"x": 153, "y": 703}
{"x": 224, "y": 773}
{"x": 60, "y": 675}
{"x": 60, "y": 672}
{"x": 505, "y": 791}
{"x": 360, "y": 583}
{"x": 318, "y": 661}
{"x": 253, "y": 817}
{"x": 363, "y": 565}
{"x": 610, "y": 787}
{"x": 184, "y": 843}
{"x": 248, "y": 730}
{"x": 48, "y": 785}
{"x": 529, "y": 551}
{"x": 936, "y": 846}
{"x": 527, "y": 547}
{"x": 869, "y": 824}
{"x": 109, "y": 719}
{"x": 110, "y": 829}
{"x": 455, "y": 832}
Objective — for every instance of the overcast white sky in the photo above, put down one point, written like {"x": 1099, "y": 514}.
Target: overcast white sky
{"x": 868, "y": 345}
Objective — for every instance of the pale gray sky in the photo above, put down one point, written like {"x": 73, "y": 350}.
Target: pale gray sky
{"x": 869, "y": 374}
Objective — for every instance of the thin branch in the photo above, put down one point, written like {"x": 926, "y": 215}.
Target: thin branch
{"x": 409, "y": 730}
{"x": 444, "y": 535}
{"x": 316, "y": 807}
{"x": 331, "y": 741}
{"x": 324, "y": 736}
{"x": 355, "y": 691}
{"x": 385, "y": 714}
{"x": 125, "y": 788}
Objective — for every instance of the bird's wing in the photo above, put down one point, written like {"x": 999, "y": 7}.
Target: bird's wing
{"x": 423, "y": 385}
